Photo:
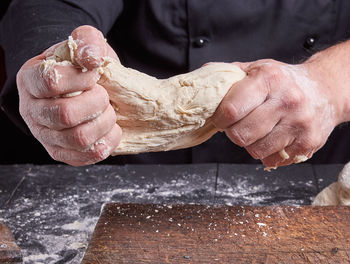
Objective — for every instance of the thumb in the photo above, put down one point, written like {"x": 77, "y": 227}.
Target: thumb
{"x": 90, "y": 47}
{"x": 245, "y": 66}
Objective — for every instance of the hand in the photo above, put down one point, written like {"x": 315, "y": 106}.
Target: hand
{"x": 77, "y": 130}
{"x": 280, "y": 113}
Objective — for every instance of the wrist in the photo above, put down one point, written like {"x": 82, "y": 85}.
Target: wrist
{"x": 329, "y": 70}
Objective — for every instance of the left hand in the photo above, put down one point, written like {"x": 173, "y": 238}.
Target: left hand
{"x": 280, "y": 113}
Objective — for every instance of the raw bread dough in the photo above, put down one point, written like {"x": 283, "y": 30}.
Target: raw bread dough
{"x": 161, "y": 115}
{"x": 338, "y": 193}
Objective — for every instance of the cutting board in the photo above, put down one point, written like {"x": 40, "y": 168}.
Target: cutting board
{"x": 140, "y": 233}
{"x": 9, "y": 251}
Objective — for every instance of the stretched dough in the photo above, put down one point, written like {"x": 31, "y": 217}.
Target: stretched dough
{"x": 161, "y": 115}
{"x": 338, "y": 193}
{"x": 174, "y": 113}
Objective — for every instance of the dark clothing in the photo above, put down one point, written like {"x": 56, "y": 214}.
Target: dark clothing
{"x": 164, "y": 38}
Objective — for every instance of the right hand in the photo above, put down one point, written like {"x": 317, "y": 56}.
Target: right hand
{"x": 78, "y": 130}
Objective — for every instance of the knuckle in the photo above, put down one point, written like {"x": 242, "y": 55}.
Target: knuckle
{"x": 272, "y": 74}
{"x": 67, "y": 157}
{"x": 56, "y": 154}
{"x": 238, "y": 137}
{"x": 256, "y": 154}
{"x": 261, "y": 149}
{"x": 66, "y": 115}
{"x": 51, "y": 80}
{"x": 230, "y": 112}
{"x": 269, "y": 162}
{"x": 81, "y": 138}
{"x": 90, "y": 79}
{"x": 293, "y": 100}
{"x": 104, "y": 95}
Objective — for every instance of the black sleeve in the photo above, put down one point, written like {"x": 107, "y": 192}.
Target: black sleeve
{"x": 31, "y": 26}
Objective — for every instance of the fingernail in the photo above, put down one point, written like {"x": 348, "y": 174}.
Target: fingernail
{"x": 90, "y": 55}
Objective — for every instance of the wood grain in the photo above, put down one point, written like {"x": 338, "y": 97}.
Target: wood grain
{"x": 135, "y": 233}
{"x": 9, "y": 251}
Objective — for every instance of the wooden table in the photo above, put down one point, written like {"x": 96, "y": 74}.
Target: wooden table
{"x": 9, "y": 251}
{"x": 134, "y": 233}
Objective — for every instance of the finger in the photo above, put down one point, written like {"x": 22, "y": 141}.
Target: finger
{"x": 81, "y": 137}
{"x": 245, "y": 66}
{"x": 91, "y": 47}
{"x": 243, "y": 97}
{"x": 249, "y": 66}
{"x": 277, "y": 140}
{"x": 296, "y": 154}
{"x": 273, "y": 161}
{"x": 42, "y": 79}
{"x": 59, "y": 80}
{"x": 304, "y": 147}
{"x": 99, "y": 151}
{"x": 255, "y": 125}
{"x": 62, "y": 113}
{"x": 277, "y": 160}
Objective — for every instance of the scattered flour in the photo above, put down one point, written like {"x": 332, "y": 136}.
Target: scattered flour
{"x": 243, "y": 192}
{"x": 40, "y": 258}
{"x": 86, "y": 224}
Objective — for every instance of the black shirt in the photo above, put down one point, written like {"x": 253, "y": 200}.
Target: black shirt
{"x": 164, "y": 38}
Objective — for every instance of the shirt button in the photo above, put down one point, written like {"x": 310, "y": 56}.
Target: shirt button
{"x": 200, "y": 42}
{"x": 310, "y": 42}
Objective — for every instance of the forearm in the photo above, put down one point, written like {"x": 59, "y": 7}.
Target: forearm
{"x": 31, "y": 26}
{"x": 331, "y": 68}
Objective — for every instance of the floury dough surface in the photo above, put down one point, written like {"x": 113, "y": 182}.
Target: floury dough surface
{"x": 338, "y": 193}
{"x": 174, "y": 113}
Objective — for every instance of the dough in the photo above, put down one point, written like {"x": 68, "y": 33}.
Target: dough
{"x": 338, "y": 193}
{"x": 160, "y": 115}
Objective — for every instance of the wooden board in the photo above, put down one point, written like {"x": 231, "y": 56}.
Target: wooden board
{"x": 9, "y": 251}
{"x": 135, "y": 233}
